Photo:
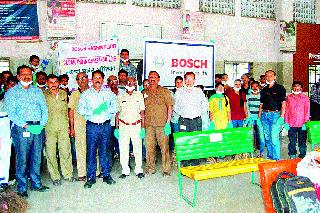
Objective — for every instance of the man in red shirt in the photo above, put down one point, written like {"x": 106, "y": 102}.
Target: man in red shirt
{"x": 237, "y": 104}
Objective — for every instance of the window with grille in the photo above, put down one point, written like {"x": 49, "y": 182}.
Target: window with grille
{"x": 4, "y": 64}
{"x": 104, "y": 1}
{"x": 158, "y": 3}
{"x": 258, "y": 8}
{"x": 236, "y": 69}
{"x": 304, "y": 11}
{"x": 225, "y": 7}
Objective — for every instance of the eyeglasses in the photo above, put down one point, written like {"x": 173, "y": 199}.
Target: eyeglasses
{"x": 82, "y": 78}
{"x": 112, "y": 81}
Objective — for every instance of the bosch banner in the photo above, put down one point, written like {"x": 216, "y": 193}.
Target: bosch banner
{"x": 175, "y": 58}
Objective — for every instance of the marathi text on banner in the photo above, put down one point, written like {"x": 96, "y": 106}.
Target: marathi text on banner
{"x": 61, "y": 19}
{"x": 88, "y": 57}
{"x": 19, "y": 20}
{"x": 175, "y": 58}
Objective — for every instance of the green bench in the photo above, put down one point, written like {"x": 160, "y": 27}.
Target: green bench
{"x": 214, "y": 143}
{"x": 313, "y": 133}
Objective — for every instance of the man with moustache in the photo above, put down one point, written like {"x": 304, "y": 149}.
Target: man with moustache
{"x": 98, "y": 105}
{"x": 78, "y": 125}
{"x": 57, "y": 132}
{"x": 26, "y": 108}
{"x": 126, "y": 65}
{"x": 41, "y": 78}
{"x": 158, "y": 103}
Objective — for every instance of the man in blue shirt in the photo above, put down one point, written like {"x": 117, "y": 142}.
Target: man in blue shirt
{"x": 126, "y": 65}
{"x": 27, "y": 109}
{"x": 98, "y": 105}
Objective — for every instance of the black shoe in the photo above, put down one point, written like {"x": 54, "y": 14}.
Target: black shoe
{"x": 89, "y": 184}
{"x": 41, "y": 189}
{"x": 56, "y": 182}
{"x": 109, "y": 180}
{"x": 166, "y": 174}
{"x": 140, "y": 175}
{"x": 70, "y": 179}
{"x": 23, "y": 194}
{"x": 123, "y": 176}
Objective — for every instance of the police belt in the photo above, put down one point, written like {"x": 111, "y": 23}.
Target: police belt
{"x": 135, "y": 123}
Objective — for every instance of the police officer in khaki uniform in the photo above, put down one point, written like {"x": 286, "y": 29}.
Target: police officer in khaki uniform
{"x": 78, "y": 125}
{"x": 130, "y": 125}
{"x": 158, "y": 103}
{"x": 57, "y": 132}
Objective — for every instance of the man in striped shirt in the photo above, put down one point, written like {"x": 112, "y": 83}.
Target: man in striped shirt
{"x": 253, "y": 104}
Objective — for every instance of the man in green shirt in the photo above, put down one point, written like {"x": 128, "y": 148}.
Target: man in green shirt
{"x": 57, "y": 132}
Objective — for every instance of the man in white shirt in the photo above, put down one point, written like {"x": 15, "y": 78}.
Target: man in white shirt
{"x": 190, "y": 104}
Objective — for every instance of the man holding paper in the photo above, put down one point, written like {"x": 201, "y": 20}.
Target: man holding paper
{"x": 98, "y": 105}
{"x": 27, "y": 109}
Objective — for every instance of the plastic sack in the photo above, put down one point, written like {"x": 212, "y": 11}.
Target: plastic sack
{"x": 309, "y": 167}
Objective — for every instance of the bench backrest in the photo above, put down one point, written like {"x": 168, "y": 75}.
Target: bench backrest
{"x": 313, "y": 129}
{"x": 213, "y": 143}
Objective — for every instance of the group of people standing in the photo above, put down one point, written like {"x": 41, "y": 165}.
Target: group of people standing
{"x": 118, "y": 120}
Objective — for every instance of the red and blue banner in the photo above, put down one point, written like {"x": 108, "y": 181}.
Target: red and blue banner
{"x": 19, "y": 20}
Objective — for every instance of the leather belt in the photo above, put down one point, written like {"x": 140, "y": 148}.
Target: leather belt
{"x": 33, "y": 122}
{"x": 191, "y": 118}
{"x": 106, "y": 122}
{"x": 135, "y": 123}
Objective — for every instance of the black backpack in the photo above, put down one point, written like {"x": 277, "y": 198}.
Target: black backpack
{"x": 294, "y": 194}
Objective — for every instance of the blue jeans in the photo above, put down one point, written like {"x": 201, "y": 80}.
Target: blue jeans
{"x": 28, "y": 149}
{"x": 237, "y": 123}
{"x": 98, "y": 137}
{"x": 272, "y": 133}
{"x": 297, "y": 134}
{"x": 175, "y": 128}
{"x": 115, "y": 142}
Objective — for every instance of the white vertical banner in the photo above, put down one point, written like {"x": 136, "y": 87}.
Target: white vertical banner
{"x": 175, "y": 58}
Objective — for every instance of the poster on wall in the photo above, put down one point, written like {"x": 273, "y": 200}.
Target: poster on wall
{"x": 19, "y": 20}
{"x": 288, "y": 36}
{"x": 175, "y": 58}
{"x": 193, "y": 26}
{"x": 87, "y": 57}
{"x": 61, "y": 19}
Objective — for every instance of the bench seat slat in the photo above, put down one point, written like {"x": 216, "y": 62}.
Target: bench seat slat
{"x": 213, "y": 144}
{"x": 203, "y": 172}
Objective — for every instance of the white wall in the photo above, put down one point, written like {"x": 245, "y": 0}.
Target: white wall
{"x": 237, "y": 38}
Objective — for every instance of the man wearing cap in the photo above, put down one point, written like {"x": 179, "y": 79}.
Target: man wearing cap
{"x": 29, "y": 115}
{"x": 130, "y": 125}
{"x": 98, "y": 105}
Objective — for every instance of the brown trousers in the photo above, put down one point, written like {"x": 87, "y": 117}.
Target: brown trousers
{"x": 155, "y": 135}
